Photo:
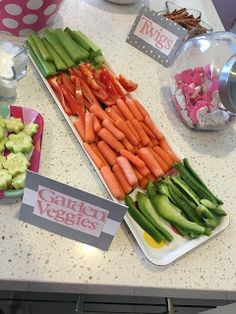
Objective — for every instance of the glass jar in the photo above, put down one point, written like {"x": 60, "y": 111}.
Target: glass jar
{"x": 202, "y": 81}
{"x": 13, "y": 67}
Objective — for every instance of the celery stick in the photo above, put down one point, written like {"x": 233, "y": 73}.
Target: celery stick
{"x": 87, "y": 40}
{"x": 98, "y": 61}
{"x": 67, "y": 42}
{"x": 77, "y": 38}
{"x": 54, "y": 42}
{"x": 41, "y": 47}
{"x": 84, "y": 54}
{"x": 93, "y": 55}
{"x": 48, "y": 67}
{"x": 36, "y": 60}
{"x": 60, "y": 65}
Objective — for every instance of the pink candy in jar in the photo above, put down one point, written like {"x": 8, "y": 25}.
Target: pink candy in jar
{"x": 196, "y": 81}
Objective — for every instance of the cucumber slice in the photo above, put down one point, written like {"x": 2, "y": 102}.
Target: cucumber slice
{"x": 2, "y": 144}
{"x": 2, "y": 159}
{"x": 14, "y": 125}
{"x": 20, "y": 142}
{"x": 16, "y": 163}
{"x": 31, "y": 129}
{"x": 5, "y": 179}
{"x": 18, "y": 182}
{"x": 2, "y": 122}
{"x": 2, "y": 133}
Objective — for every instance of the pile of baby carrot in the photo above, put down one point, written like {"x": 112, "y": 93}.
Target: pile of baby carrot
{"x": 117, "y": 132}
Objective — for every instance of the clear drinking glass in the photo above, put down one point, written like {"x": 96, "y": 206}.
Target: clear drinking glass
{"x": 20, "y": 60}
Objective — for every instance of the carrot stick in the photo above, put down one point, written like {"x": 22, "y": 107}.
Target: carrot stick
{"x": 138, "y": 174}
{"x": 164, "y": 155}
{"x": 132, "y": 129}
{"x": 134, "y": 109}
{"x": 108, "y": 153}
{"x": 110, "y": 139}
{"x": 150, "y": 144}
{"x": 96, "y": 124}
{"x": 96, "y": 150}
{"x": 112, "y": 183}
{"x": 164, "y": 166}
{"x": 113, "y": 129}
{"x": 95, "y": 158}
{"x": 128, "y": 145}
{"x": 153, "y": 128}
{"x": 122, "y": 179}
{"x": 145, "y": 140}
{"x": 112, "y": 113}
{"x": 155, "y": 142}
{"x": 145, "y": 154}
{"x": 140, "y": 145}
{"x": 86, "y": 103}
{"x": 143, "y": 183}
{"x": 96, "y": 138}
{"x": 122, "y": 126}
{"x": 151, "y": 177}
{"x": 99, "y": 112}
{"x": 132, "y": 158}
{"x": 89, "y": 132}
{"x": 143, "y": 170}
{"x": 124, "y": 109}
{"x": 79, "y": 125}
{"x": 127, "y": 170}
{"x": 163, "y": 144}
{"x": 141, "y": 108}
{"x": 117, "y": 110}
{"x": 148, "y": 131}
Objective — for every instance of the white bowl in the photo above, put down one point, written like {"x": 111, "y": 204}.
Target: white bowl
{"x": 123, "y": 1}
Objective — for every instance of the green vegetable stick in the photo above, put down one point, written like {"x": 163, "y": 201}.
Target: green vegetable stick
{"x": 84, "y": 55}
{"x": 145, "y": 206}
{"x": 36, "y": 60}
{"x": 183, "y": 206}
{"x": 197, "y": 177}
{"x": 212, "y": 207}
{"x": 41, "y": 47}
{"x": 54, "y": 42}
{"x": 77, "y": 38}
{"x": 193, "y": 183}
{"x": 68, "y": 44}
{"x": 142, "y": 221}
{"x": 89, "y": 42}
{"x": 60, "y": 65}
{"x": 183, "y": 186}
{"x": 170, "y": 212}
{"x": 48, "y": 67}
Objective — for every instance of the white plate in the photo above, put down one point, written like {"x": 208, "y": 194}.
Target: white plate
{"x": 169, "y": 252}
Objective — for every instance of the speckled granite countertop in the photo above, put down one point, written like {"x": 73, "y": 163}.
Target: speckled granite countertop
{"x": 32, "y": 259}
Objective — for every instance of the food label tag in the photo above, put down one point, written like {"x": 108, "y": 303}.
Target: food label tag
{"x": 70, "y": 212}
{"x": 156, "y": 36}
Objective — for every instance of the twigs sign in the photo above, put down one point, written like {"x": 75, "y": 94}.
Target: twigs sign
{"x": 156, "y": 36}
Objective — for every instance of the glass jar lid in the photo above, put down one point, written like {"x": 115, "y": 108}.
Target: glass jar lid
{"x": 227, "y": 84}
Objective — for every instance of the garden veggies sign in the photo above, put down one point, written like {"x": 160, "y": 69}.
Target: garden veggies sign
{"x": 70, "y": 212}
{"x": 156, "y": 36}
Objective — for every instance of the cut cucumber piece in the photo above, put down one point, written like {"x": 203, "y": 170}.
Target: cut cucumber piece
{"x": 16, "y": 163}
{"x": 19, "y": 143}
{"x": 5, "y": 179}
{"x": 18, "y": 182}
{"x": 14, "y": 124}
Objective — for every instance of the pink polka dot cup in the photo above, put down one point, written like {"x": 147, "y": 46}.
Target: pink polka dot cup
{"x": 20, "y": 18}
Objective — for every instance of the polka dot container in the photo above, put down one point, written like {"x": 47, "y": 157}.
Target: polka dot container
{"x": 20, "y": 18}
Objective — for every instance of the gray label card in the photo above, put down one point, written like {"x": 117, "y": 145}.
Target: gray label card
{"x": 70, "y": 212}
{"x": 156, "y": 36}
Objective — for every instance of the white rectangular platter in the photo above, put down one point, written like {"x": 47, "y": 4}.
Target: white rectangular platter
{"x": 163, "y": 254}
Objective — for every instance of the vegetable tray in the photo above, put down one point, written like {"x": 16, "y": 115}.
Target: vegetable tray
{"x": 158, "y": 254}
{"x": 27, "y": 115}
